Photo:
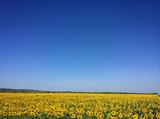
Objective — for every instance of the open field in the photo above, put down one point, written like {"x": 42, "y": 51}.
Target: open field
{"x": 76, "y": 105}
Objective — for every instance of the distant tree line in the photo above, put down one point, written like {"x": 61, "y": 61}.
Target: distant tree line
{"x": 7, "y": 90}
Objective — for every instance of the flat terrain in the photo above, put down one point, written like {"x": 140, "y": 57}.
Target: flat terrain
{"x": 79, "y": 105}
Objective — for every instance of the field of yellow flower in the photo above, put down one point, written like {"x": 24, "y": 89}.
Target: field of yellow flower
{"x": 78, "y": 106}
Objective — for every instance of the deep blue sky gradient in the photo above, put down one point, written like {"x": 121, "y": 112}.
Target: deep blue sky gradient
{"x": 80, "y": 45}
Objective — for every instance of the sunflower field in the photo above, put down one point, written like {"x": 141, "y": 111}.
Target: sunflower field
{"x": 78, "y": 106}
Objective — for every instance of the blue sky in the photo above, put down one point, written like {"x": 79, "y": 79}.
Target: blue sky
{"x": 80, "y": 45}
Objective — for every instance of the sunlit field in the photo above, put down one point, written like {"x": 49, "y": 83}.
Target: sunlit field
{"x": 79, "y": 106}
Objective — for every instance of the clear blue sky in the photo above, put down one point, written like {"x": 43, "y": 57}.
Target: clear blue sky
{"x": 80, "y": 45}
